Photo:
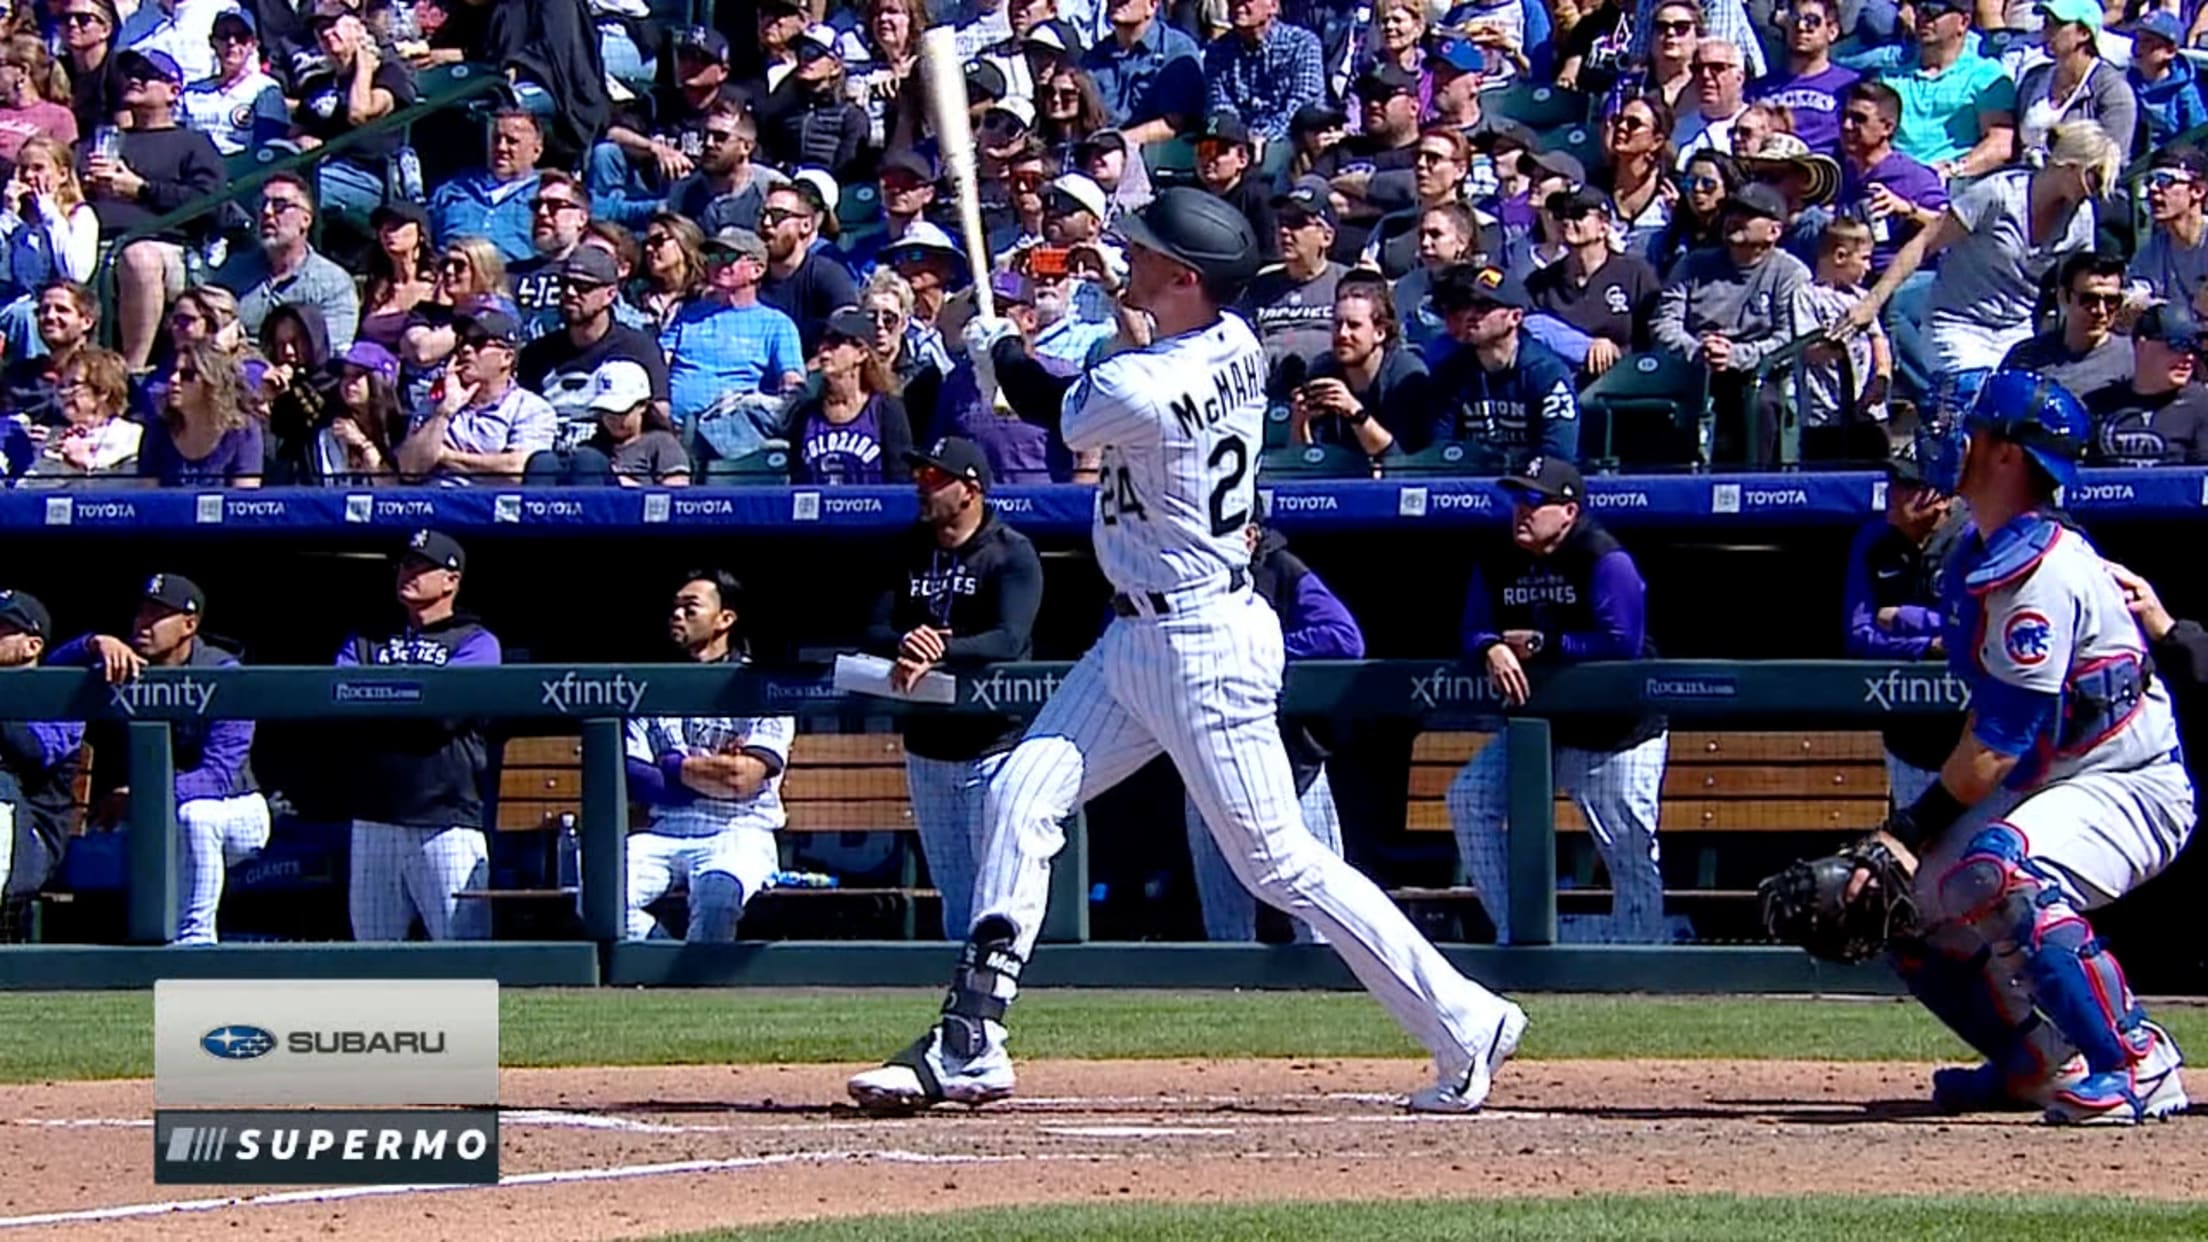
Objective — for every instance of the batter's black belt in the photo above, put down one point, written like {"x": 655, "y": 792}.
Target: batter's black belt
{"x": 1160, "y": 603}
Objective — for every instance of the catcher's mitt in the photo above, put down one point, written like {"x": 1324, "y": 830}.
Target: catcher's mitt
{"x": 1806, "y": 904}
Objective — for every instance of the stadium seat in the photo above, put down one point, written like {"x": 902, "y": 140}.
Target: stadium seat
{"x": 1580, "y": 140}
{"x": 860, "y": 206}
{"x": 1171, "y": 161}
{"x": 769, "y": 466}
{"x": 1651, "y": 409}
{"x": 1536, "y": 107}
{"x": 1446, "y": 459}
{"x": 1315, "y": 461}
{"x": 1277, "y": 426}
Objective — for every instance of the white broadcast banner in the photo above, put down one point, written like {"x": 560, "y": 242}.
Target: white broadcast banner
{"x": 247, "y": 1042}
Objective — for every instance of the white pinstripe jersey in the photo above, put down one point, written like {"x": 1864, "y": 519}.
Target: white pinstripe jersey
{"x": 653, "y": 738}
{"x": 1180, "y": 424}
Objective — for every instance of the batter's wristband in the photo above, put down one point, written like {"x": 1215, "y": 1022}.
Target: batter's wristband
{"x": 1931, "y": 815}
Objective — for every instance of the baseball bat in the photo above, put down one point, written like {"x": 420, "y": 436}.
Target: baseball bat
{"x": 943, "y": 78}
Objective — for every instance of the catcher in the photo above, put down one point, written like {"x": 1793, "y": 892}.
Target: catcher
{"x": 2066, "y": 791}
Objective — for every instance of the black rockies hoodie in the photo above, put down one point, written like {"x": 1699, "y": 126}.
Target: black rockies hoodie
{"x": 421, "y": 773}
{"x": 986, "y": 591}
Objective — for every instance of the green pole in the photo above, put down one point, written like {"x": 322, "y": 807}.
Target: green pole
{"x": 152, "y": 843}
{"x": 605, "y": 831}
{"x": 1532, "y": 800}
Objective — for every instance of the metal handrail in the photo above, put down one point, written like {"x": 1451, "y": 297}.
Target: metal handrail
{"x": 472, "y": 81}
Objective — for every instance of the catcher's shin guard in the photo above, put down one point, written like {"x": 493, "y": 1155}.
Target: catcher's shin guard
{"x": 2019, "y": 908}
{"x": 1998, "y": 1022}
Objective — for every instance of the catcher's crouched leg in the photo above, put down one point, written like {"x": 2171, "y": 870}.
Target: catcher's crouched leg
{"x": 2033, "y": 932}
{"x": 1950, "y": 973}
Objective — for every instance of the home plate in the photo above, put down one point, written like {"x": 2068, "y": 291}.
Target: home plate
{"x": 1135, "y": 1132}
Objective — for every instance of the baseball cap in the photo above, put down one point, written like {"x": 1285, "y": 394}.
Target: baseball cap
{"x": 371, "y": 357}
{"x": 21, "y": 611}
{"x": 740, "y": 242}
{"x": 1494, "y": 129}
{"x": 2182, "y": 156}
{"x": 704, "y": 39}
{"x": 958, "y": 457}
{"x": 1083, "y": 192}
{"x": 2168, "y": 323}
{"x": 176, "y": 593}
{"x": 923, "y": 240}
{"x": 1934, "y": 8}
{"x": 1464, "y": 286}
{"x": 1548, "y": 478}
{"x": 618, "y": 386}
{"x": 1556, "y": 164}
{"x": 241, "y": 17}
{"x": 1903, "y": 467}
{"x": 1011, "y": 286}
{"x": 1574, "y": 203}
{"x": 1098, "y": 143}
{"x": 1758, "y": 199}
{"x": 983, "y": 81}
{"x": 2161, "y": 25}
{"x": 591, "y": 267}
{"x": 851, "y": 324}
{"x": 2086, "y": 12}
{"x": 1019, "y": 108}
{"x": 491, "y": 327}
{"x": 1054, "y": 33}
{"x": 143, "y": 64}
{"x": 1462, "y": 55}
{"x": 819, "y": 185}
{"x": 400, "y": 211}
{"x": 437, "y": 548}
{"x": 1309, "y": 196}
{"x": 1225, "y": 127}
{"x": 911, "y": 161}
{"x": 1313, "y": 117}
{"x": 816, "y": 41}
{"x": 1386, "y": 82}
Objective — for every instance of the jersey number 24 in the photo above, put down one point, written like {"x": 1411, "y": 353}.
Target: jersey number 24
{"x": 1116, "y": 496}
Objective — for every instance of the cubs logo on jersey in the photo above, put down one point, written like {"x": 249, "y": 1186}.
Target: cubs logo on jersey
{"x": 2027, "y": 636}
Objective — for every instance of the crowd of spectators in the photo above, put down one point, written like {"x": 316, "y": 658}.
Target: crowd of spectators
{"x": 674, "y": 259}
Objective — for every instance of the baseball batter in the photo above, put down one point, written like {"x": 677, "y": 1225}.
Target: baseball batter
{"x": 1190, "y": 667}
{"x": 713, "y": 783}
{"x": 418, "y": 806}
{"x": 2067, "y": 790}
{"x": 221, "y": 817}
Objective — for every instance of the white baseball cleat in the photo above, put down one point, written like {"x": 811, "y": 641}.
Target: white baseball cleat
{"x": 2151, "y": 1090}
{"x": 1463, "y": 1088}
{"x": 927, "y": 1074}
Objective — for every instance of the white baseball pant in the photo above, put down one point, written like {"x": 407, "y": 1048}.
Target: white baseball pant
{"x": 946, "y": 809}
{"x": 1905, "y": 781}
{"x": 213, "y": 834}
{"x": 1619, "y": 794}
{"x": 1230, "y": 913}
{"x": 400, "y": 872}
{"x": 718, "y": 874}
{"x": 1202, "y": 685}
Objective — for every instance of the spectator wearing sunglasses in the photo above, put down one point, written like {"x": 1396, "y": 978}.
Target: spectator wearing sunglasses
{"x": 2172, "y": 263}
{"x": 1719, "y": 19}
{"x": 1811, "y": 87}
{"x": 806, "y": 119}
{"x": 2159, "y": 416}
{"x": 357, "y": 87}
{"x": 1224, "y": 164}
{"x": 1719, "y": 80}
{"x": 289, "y": 269}
{"x": 2085, "y": 353}
{"x": 1958, "y": 108}
{"x": 560, "y": 213}
{"x": 803, "y": 280}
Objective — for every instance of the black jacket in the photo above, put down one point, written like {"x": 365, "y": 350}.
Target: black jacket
{"x": 421, "y": 773}
{"x": 800, "y": 127}
{"x": 1556, "y": 594}
{"x": 554, "y": 43}
{"x": 986, "y": 591}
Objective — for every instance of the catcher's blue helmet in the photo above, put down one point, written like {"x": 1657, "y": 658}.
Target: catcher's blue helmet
{"x": 2022, "y": 407}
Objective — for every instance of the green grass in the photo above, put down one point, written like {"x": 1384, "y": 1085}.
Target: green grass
{"x": 1696, "y": 1218}
{"x": 109, "y": 1034}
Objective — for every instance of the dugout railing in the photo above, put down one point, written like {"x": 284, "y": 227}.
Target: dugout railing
{"x": 1434, "y": 694}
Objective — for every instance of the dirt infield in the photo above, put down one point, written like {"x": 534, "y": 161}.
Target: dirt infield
{"x": 624, "y": 1153}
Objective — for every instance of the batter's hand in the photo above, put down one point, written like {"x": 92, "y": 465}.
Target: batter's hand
{"x": 2139, "y": 596}
{"x": 1507, "y": 675}
{"x": 924, "y": 643}
{"x": 118, "y": 663}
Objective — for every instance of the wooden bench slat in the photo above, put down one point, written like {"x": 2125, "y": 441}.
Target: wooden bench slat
{"x": 539, "y": 784}
{"x": 851, "y": 817}
{"x": 1730, "y": 780}
{"x": 1710, "y": 815}
{"x": 542, "y": 752}
{"x": 844, "y": 784}
{"x": 1695, "y": 746}
{"x": 851, "y": 749}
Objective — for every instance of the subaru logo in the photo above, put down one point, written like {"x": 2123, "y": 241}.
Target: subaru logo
{"x": 238, "y": 1043}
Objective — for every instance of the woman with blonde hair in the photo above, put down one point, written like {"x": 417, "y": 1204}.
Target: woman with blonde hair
{"x": 209, "y": 432}
{"x": 886, "y": 300}
{"x": 1997, "y": 241}
{"x": 95, "y": 440}
{"x": 52, "y": 234}
{"x": 34, "y": 96}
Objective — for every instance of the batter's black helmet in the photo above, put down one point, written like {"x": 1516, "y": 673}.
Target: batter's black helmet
{"x": 1201, "y": 230}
